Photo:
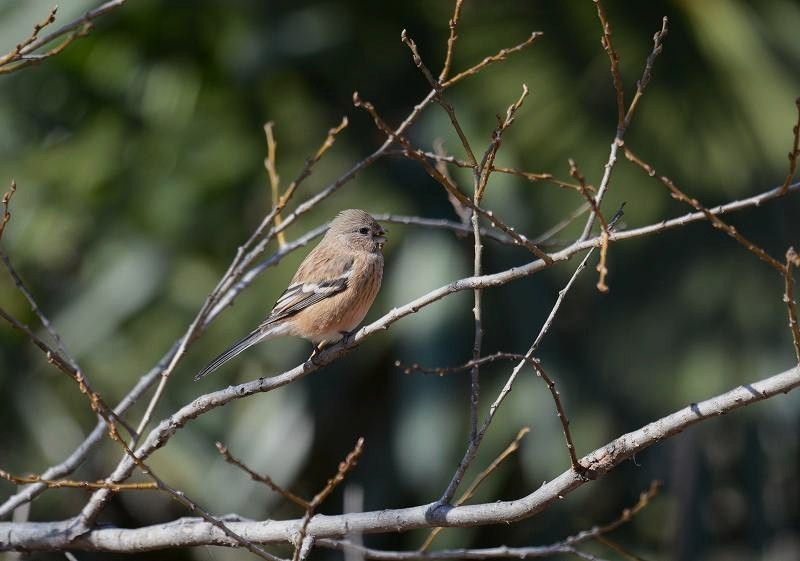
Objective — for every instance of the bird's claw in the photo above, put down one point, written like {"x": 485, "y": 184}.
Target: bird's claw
{"x": 347, "y": 337}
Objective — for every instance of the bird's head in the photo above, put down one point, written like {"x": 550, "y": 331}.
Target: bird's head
{"x": 357, "y": 230}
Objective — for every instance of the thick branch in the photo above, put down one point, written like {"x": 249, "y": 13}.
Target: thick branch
{"x": 33, "y": 536}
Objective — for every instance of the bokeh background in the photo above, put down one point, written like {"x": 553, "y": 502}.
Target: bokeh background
{"x": 138, "y": 153}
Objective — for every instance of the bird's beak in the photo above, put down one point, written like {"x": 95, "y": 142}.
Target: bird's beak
{"x": 381, "y": 237}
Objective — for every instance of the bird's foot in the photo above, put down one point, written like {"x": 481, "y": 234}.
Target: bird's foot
{"x": 315, "y": 353}
{"x": 347, "y": 337}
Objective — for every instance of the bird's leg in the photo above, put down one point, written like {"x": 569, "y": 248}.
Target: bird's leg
{"x": 315, "y": 353}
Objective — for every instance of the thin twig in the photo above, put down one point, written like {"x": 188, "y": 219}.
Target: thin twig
{"x": 69, "y": 483}
{"x": 345, "y": 467}
{"x": 74, "y": 460}
{"x": 792, "y": 262}
{"x": 585, "y": 190}
{"x": 434, "y": 173}
{"x": 501, "y": 55}
{"x": 794, "y": 153}
{"x": 551, "y": 232}
{"x": 473, "y": 487}
{"x": 645, "y": 497}
{"x": 523, "y": 359}
{"x": 618, "y": 548}
{"x": 613, "y": 57}
{"x": 641, "y": 84}
{"x": 21, "y": 56}
{"x": 623, "y": 118}
{"x": 265, "y": 479}
{"x": 274, "y": 178}
{"x": 533, "y": 177}
{"x": 16, "y": 54}
{"x": 474, "y": 396}
{"x": 59, "y": 342}
{"x": 487, "y": 163}
{"x": 440, "y": 99}
{"x": 440, "y": 223}
{"x": 471, "y": 554}
{"x": 464, "y": 213}
{"x": 56, "y": 359}
{"x": 710, "y": 216}
{"x": 6, "y": 216}
{"x": 451, "y": 41}
{"x": 562, "y": 415}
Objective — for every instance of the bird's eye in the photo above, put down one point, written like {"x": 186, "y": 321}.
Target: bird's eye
{"x": 364, "y": 231}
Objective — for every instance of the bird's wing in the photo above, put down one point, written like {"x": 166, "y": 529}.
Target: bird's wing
{"x": 320, "y": 283}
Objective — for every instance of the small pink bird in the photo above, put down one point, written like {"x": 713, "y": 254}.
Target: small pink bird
{"x": 331, "y": 291}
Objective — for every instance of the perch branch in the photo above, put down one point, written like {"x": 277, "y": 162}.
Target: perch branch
{"x": 41, "y": 536}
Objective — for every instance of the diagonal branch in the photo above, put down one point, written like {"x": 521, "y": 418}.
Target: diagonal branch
{"x": 501, "y": 55}
{"x": 711, "y": 217}
{"x": 265, "y": 479}
{"x": 448, "y": 185}
{"x": 480, "y": 478}
{"x": 21, "y": 56}
{"x": 302, "y": 542}
{"x": 623, "y": 118}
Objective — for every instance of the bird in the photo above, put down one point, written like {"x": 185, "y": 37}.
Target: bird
{"x": 331, "y": 292}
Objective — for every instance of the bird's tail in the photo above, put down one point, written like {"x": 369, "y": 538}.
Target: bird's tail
{"x": 254, "y": 337}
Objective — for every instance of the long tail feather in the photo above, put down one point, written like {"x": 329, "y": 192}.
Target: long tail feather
{"x": 255, "y": 337}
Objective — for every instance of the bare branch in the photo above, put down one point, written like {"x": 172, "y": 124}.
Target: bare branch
{"x": 274, "y": 178}
{"x": 566, "y": 545}
{"x": 304, "y": 542}
{"x": 794, "y": 154}
{"x": 463, "y": 213}
{"x": 585, "y": 191}
{"x": 265, "y": 479}
{"x": 68, "y": 483}
{"x": 39, "y": 536}
{"x": 451, "y": 41}
{"x": 21, "y": 56}
{"x": 533, "y": 177}
{"x": 711, "y": 217}
{"x": 6, "y": 216}
{"x": 623, "y": 119}
{"x": 613, "y": 57}
{"x": 658, "y": 46}
{"x": 523, "y": 359}
{"x": 480, "y": 478}
{"x": 501, "y": 55}
{"x": 792, "y": 261}
{"x": 440, "y": 99}
{"x": 80, "y": 453}
{"x": 434, "y": 173}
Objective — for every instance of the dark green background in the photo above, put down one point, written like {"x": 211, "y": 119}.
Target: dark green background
{"x": 138, "y": 154}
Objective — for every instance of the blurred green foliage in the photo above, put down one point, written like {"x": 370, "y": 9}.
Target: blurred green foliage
{"x": 138, "y": 155}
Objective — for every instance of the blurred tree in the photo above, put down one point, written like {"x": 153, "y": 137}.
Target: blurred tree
{"x": 138, "y": 154}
